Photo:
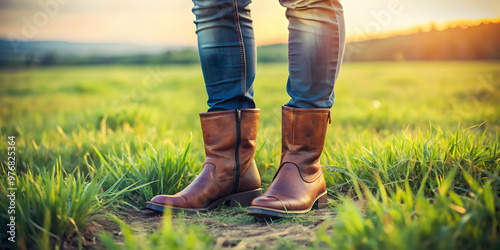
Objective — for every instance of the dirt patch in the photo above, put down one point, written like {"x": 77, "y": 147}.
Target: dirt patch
{"x": 230, "y": 227}
{"x": 259, "y": 234}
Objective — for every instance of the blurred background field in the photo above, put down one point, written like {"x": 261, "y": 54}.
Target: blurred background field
{"x": 113, "y": 106}
{"x": 131, "y": 132}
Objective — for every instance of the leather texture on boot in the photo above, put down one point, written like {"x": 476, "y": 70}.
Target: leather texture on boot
{"x": 299, "y": 182}
{"x": 216, "y": 181}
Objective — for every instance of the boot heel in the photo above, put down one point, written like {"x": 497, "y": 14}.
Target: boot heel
{"x": 243, "y": 199}
{"x": 321, "y": 202}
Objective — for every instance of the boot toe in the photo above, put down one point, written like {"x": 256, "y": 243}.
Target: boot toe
{"x": 169, "y": 200}
{"x": 271, "y": 202}
{"x": 161, "y": 200}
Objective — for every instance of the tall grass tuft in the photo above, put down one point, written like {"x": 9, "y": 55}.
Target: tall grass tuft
{"x": 52, "y": 206}
{"x": 422, "y": 161}
{"x": 156, "y": 172}
{"x": 402, "y": 219}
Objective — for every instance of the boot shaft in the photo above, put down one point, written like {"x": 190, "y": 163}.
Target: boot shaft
{"x": 230, "y": 140}
{"x": 303, "y": 137}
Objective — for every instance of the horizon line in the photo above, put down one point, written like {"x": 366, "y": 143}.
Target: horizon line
{"x": 416, "y": 29}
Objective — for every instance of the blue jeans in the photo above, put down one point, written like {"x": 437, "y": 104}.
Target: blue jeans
{"x": 227, "y": 51}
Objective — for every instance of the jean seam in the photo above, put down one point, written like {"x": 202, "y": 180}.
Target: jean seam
{"x": 289, "y": 67}
{"x": 337, "y": 66}
{"x": 242, "y": 51}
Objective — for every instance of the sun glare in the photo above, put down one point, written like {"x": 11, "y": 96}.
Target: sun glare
{"x": 439, "y": 26}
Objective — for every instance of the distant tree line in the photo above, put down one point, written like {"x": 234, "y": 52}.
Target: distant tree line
{"x": 480, "y": 42}
{"x": 185, "y": 56}
{"x": 473, "y": 43}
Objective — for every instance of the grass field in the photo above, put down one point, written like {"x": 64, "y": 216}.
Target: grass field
{"x": 412, "y": 157}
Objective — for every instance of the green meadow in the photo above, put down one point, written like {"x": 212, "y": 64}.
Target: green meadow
{"x": 412, "y": 157}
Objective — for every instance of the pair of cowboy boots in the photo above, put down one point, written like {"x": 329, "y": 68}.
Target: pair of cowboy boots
{"x": 230, "y": 175}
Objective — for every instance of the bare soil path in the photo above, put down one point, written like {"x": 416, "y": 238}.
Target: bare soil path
{"x": 231, "y": 228}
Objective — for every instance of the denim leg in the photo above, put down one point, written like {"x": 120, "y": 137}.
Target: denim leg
{"x": 226, "y": 47}
{"x": 315, "y": 49}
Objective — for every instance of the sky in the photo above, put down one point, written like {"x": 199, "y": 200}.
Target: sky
{"x": 170, "y": 22}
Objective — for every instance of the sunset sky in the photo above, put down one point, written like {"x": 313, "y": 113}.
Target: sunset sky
{"x": 171, "y": 21}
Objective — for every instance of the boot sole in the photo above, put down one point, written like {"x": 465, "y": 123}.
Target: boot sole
{"x": 242, "y": 199}
{"x": 263, "y": 213}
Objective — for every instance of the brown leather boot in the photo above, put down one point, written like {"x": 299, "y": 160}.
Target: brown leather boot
{"x": 299, "y": 185}
{"x": 229, "y": 173}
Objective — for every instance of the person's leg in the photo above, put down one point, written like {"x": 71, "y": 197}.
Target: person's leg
{"x": 227, "y": 52}
{"x": 316, "y": 45}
